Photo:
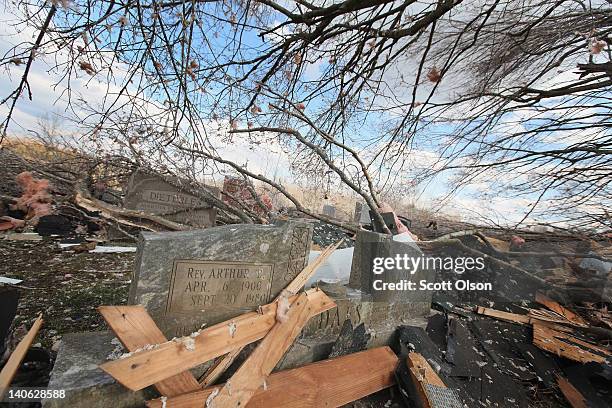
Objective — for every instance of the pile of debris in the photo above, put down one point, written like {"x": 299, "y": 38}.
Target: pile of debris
{"x": 206, "y": 311}
{"x": 492, "y": 357}
{"x": 153, "y": 360}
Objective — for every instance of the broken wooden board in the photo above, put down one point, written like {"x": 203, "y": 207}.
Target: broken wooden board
{"x": 422, "y": 370}
{"x": 535, "y": 316}
{"x": 219, "y": 367}
{"x": 498, "y": 244}
{"x": 415, "y": 339}
{"x": 328, "y": 383}
{"x": 223, "y": 363}
{"x": 300, "y": 280}
{"x": 147, "y": 367}
{"x": 592, "y": 380}
{"x": 253, "y": 373}
{"x": 565, "y": 345}
{"x": 135, "y": 328}
{"x": 557, "y": 308}
{"x": 12, "y": 365}
{"x": 549, "y": 316}
{"x": 429, "y": 386}
{"x": 501, "y": 315}
{"x": 571, "y": 394}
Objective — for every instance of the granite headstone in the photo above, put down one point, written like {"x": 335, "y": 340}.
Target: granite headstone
{"x": 370, "y": 245}
{"x": 329, "y": 210}
{"x": 189, "y": 278}
{"x": 362, "y": 213}
{"x": 152, "y": 194}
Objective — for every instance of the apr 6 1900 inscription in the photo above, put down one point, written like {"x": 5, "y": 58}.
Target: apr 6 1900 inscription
{"x": 200, "y": 285}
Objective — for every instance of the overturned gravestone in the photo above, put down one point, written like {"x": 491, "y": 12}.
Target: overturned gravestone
{"x": 76, "y": 372}
{"x": 190, "y": 278}
{"x": 152, "y": 194}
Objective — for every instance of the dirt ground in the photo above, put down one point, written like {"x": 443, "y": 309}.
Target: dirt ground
{"x": 65, "y": 286}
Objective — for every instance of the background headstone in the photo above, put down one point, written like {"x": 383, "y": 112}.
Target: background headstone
{"x": 154, "y": 195}
{"x": 189, "y": 278}
{"x": 388, "y": 218}
{"x": 329, "y": 210}
{"x": 370, "y": 245}
{"x": 357, "y": 213}
{"x": 362, "y": 213}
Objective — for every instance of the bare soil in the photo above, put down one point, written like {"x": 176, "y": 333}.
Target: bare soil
{"x": 64, "y": 286}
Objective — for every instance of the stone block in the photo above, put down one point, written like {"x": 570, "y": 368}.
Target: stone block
{"x": 190, "y": 278}
{"x": 371, "y": 245}
{"x": 76, "y": 371}
{"x": 154, "y": 195}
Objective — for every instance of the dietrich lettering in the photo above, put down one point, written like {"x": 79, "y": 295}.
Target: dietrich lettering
{"x": 172, "y": 198}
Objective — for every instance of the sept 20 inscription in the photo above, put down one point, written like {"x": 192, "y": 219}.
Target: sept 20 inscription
{"x": 202, "y": 285}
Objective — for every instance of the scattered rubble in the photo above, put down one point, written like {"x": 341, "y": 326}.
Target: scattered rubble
{"x": 309, "y": 328}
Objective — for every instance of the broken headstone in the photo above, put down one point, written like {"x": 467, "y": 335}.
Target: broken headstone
{"x": 189, "y": 278}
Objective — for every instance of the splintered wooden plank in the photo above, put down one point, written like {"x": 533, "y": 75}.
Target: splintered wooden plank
{"x": 506, "y": 316}
{"x": 571, "y": 394}
{"x": 252, "y": 374}
{"x": 328, "y": 383}
{"x": 12, "y": 365}
{"x": 565, "y": 345}
{"x": 136, "y": 329}
{"x": 557, "y": 308}
{"x": 219, "y": 367}
{"x": 532, "y": 318}
{"x": 300, "y": 280}
{"x": 422, "y": 375}
{"x": 549, "y": 316}
{"x": 423, "y": 371}
{"x": 147, "y": 367}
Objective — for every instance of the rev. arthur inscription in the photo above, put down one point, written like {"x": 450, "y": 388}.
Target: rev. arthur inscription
{"x": 186, "y": 279}
{"x": 200, "y": 285}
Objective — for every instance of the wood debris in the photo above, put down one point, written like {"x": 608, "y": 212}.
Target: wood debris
{"x": 573, "y": 396}
{"x": 333, "y": 383}
{"x": 14, "y": 361}
{"x": 222, "y": 364}
{"x": 565, "y": 345}
{"x": 556, "y": 307}
{"x": 135, "y": 329}
{"x": 506, "y": 316}
{"x": 150, "y": 366}
{"x": 253, "y": 373}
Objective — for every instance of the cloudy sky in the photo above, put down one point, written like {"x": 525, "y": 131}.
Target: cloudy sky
{"x": 270, "y": 160}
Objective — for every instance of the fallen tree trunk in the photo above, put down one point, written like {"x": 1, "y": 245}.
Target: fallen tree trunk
{"x": 119, "y": 215}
